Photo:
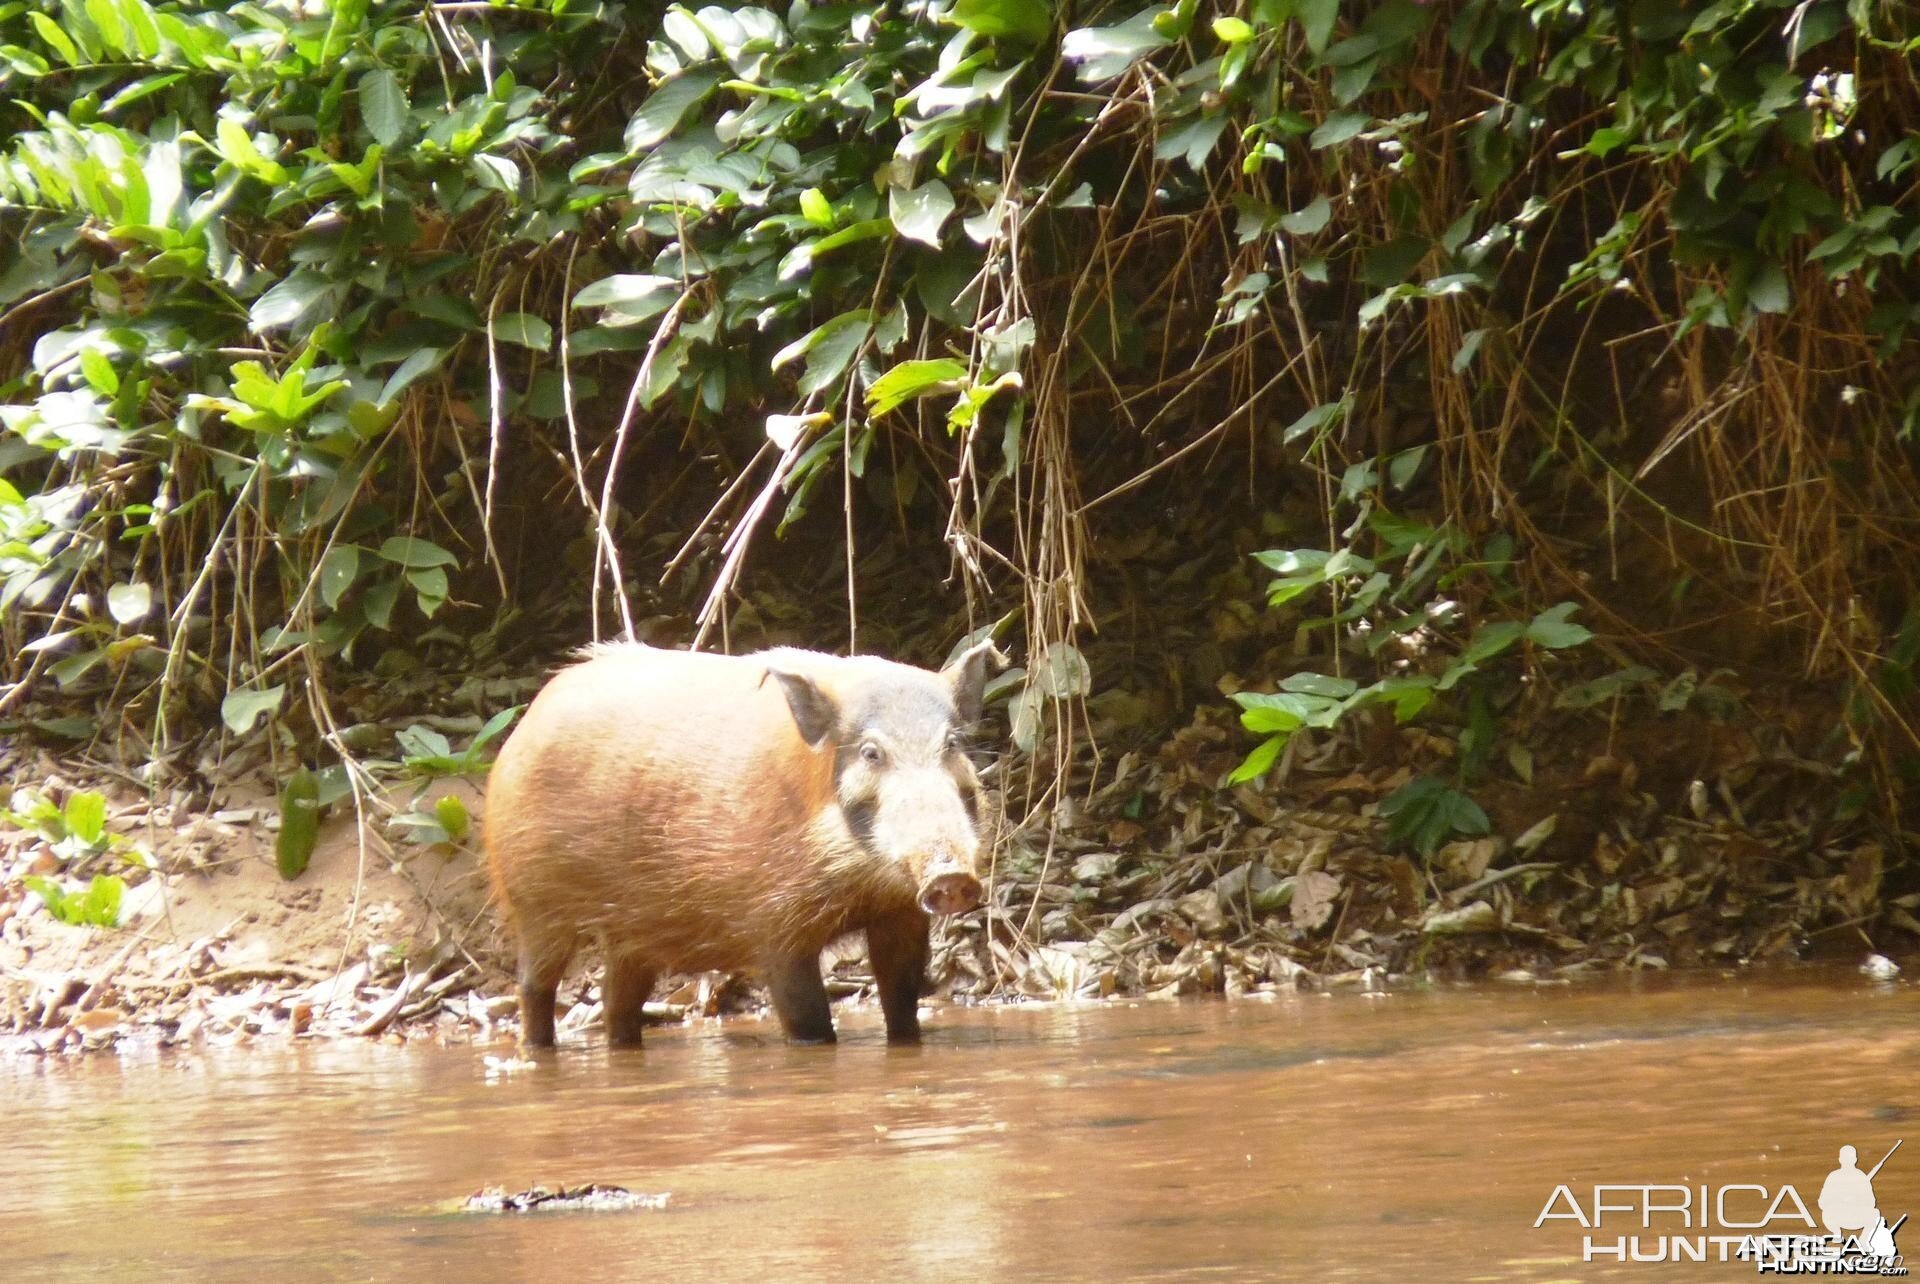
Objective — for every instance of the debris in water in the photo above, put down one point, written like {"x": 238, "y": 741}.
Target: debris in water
{"x": 1880, "y": 967}
{"x": 499, "y": 1067}
{"x": 590, "y": 1198}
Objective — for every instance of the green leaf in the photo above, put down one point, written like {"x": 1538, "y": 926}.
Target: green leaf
{"x": 494, "y": 726}
{"x": 301, "y": 293}
{"x": 1232, "y": 31}
{"x": 74, "y": 667}
{"x": 800, "y": 258}
{"x": 348, "y": 19}
{"x": 416, "y": 554}
{"x": 1311, "y": 421}
{"x": 1552, "y": 629}
{"x": 1062, "y": 672}
{"x": 525, "y": 329}
{"x": 660, "y": 115}
{"x": 1319, "y": 684}
{"x": 25, "y": 62}
{"x": 919, "y": 213}
{"x": 1192, "y": 140}
{"x": 1257, "y": 763}
{"x": 383, "y": 106}
{"x": 446, "y": 308}
{"x": 1425, "y": 812}
{"x": 237, "y": 146}
{"x": 1491, "y": 640}
{"x": 681, "y": 27}
{"x": 85, "y": 817}
{"x": 828, "y": 348}
{"x": 496, "y": 173}
{"x": 337, "y": 573}
{"x": 626, "y": 290}
{"x": 1404, "y": 466}
{"x": 1317, "y": 19}
{"x": 815, "y": 208}
{"x": 128, "y": 603}
{"x": 912, "y": 379}
{"x": 1293, "y": 561}
{"x": 299, "y": 824}
{"x": 1606, "y": 140}
{"x": 1271, "y": 721}
{"x": 1768, "y": 292}
{"x": 1338, "y": 128}
{"x": 453, "y": 817}
{"x": 430, "y": 588}
{"x": 1390, "y": 264}
{"x": 416, "y": 365}
{"x": 71, "y": 727}
{"x": 424, "y": 748}
{"x": 61, "y": 43}
{"x": 1310, "y": 220}
{"x": 1408, "y": 694}
{"x": 1287, "y": 710}
{"x": 1105, "y": 52}
{"x": 379, "y": 603}
{"x": 1028, "y": 20}
{"x": 242, "y": 708}
{"x": 1469, "y": 347}
{"x": 98, "y": 906}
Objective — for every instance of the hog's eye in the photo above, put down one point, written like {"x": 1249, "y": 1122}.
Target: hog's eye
{"x": 870, "y": 754}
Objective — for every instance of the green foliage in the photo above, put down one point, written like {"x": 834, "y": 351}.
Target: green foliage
{"x": 97, "y": 906}
{"x": 299, "y": 823}
{"x": 191, "y": 183}
{"x": 1398, "y": 608}
{"x": 1425, "y": 812}
{"x": 447, "y": 824}
{"x": 299, "y": 277}
{"x": 75, "y": 831}
{"x": 428, "y": 755}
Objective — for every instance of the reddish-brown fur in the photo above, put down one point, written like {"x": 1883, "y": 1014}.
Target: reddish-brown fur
{"x": 666, "y": 803}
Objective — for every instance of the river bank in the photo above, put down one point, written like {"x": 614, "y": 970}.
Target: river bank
{"x": 1149, "y": 881}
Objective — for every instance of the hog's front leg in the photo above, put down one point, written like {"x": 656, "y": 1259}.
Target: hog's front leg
{"x": 800, "y": 998}
{"x": 897, "y": 948}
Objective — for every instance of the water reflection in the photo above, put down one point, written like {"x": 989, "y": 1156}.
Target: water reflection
{"x": 1342, "y": 1136}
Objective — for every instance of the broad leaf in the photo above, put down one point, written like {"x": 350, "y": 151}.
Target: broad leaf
{"x": 919, "y": 213}
{"x": 1028, "y": 20}
{"x": 243, "y": 708}
{"x": 525, "y": 329}
{"x": 383, "y": 106}
{"x": 913, "y": 379}
{"x": 129, "y": 602}
{"x": 415, "y": 554}
{"x": 1553, "y": 630}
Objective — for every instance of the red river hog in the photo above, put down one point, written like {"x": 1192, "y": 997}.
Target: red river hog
{"x": 698, "y": 812}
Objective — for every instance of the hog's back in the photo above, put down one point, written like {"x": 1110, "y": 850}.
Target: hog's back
{"x": 661, "y": 799}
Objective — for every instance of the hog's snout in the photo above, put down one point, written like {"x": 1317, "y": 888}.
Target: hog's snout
{"x": 949, "y": 891}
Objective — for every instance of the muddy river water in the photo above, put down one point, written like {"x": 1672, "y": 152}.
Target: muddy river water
{"x": 1410, "y": 1135}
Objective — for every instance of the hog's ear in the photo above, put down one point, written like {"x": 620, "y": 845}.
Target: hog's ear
{"x": 813, "y": 709}
{"x": 967, "y": 678}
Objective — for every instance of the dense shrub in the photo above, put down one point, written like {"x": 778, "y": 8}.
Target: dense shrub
{"x": 293, "y": 295}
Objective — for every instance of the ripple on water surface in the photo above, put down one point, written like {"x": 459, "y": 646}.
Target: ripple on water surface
{"x": 1415, "y": 1134}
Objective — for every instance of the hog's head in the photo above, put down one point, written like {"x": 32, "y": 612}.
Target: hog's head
{"x": 903, "y": 783}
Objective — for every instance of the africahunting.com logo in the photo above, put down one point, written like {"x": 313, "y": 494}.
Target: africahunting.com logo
{"x": 1772, "y": 1228}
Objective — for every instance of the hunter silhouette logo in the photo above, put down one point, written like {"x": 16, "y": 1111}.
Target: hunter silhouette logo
{"x": 1772, "y": 1227}
{"x": 1847, "y": 1203}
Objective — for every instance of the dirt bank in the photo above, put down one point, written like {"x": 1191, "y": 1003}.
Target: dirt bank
{"x": 1668, "y": 844}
